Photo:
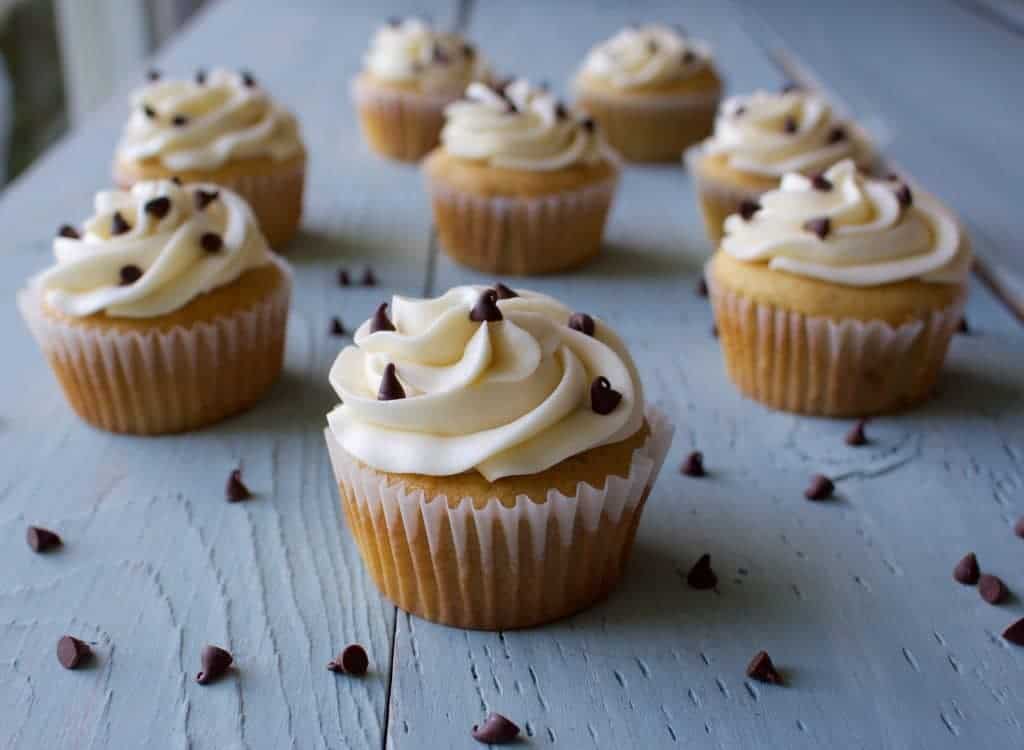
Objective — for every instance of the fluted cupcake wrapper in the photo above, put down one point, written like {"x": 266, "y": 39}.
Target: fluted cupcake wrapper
{"x": 164, "y": 381}
{"x": 400, "y": 124}
{"x": 485, "y": 565}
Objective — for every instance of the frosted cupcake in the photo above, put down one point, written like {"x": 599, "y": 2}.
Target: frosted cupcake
{"x": 166, "y": 310}
{"x": 761, "y": 137}
{"x": 411, "y": 73}
{"x": 520, "y": 185}
{"x": 494, "y": 453}
{"x": 220, "y": 127}
{"x": 653, "y": 90}
{"x": 838, "y": 294}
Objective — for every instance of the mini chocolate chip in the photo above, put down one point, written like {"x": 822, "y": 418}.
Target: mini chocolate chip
{"x": 821, "y": 182}
{"x": 343, "y": 279}
{"x": 702, "y": 287}
{"x": 204, "y": 198}
{"x": 216, "y": 662}
{"x": 790, "y": 87}
{"x": 381, "y": 321}
{"x": 652, "y": 45}
{"x": 486, "y": 308}
{"x": 504, "y": 292}
{"x": 72, "y": 652}
{"x": 248, "y": 79}
{"x": 748, "y": 208}
{"x": 1014, "y": 632}
{"x": 337, "y": 327}
{"x": 118, "y": 225}
{"x": 561, "y": 111}
{"x": 235, "y": 489}
{"x": 835, "y": 135}
{"x": 352, "y": 660}
{"x": 582, "y": 322}
{"x": 153, "y": 74}
{"x": 468, "y": 50}
{"x": 904, "y": 196}
{"x": 130, "y": 274}
{"x": 789, "y": 125}
{"x": 211, "y": 242}
{"x": 714, "y": 330}
{"x": 961, "y": 326}
{"x": 394, "y": 21}
{"x": 179, "y": 121}
{"x": 992, "y": 588}
{"x": 390, "y": 389}
{"x": 820, "y": 488}
{"x": 496, "y": 730}
{"x": 739, "y": 111}
{"x": 588, "y": 124}
{"x": 201, "y": 77}
{"x": 1018, "y": 528}
{"x": 893, "y": 177}
{"x": 821, "y": 226}
{"x": 68, "y": 231}
{"x": 369, "y": 278}
{"x": 856, "y": 434}
{"x": 603, "y": 398}
{"x": 440, "y": 56}
{"x": 158, "y": 207}
{"x": 762, "y": 669}
{"x": 176, "y": 180}
{"x": 693, "y": 465}
{"x": 967, "y": 571}
{"x": 40, "y": 539}
{"x": 701, "y": 576}
{"x": 148, "y": 111}
{"x": 689, "y": 57}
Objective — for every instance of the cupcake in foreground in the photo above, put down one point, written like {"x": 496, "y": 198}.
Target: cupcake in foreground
{"x": 520, "y": 185}
{"x": 653, "y": 90}
{"x": 494, "y": 453}
{"x": 838, "y": 295}
{"x": 166, "y": 310}
{"x": 411, "y": 73}
{"x": 221, "y": 126}
{"x": 761, "y": 137}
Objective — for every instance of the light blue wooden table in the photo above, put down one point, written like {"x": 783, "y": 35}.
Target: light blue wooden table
{"x": 852, "y": 598}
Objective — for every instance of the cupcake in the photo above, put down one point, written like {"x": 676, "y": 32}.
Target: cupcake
{"x": 519, "y": 185}
{"x": 493, "y": 453}
{"x": 166, "y": 310}
{"x": 219, "y": 127}
{"x": 759, "y": 138}
{"x": 839, "y": 294}
{"x": 411, "y": 73}
{"x": 653, "y": 90}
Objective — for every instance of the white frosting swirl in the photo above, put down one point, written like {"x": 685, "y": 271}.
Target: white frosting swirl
{"x": 773, "y": 134}
{"x": 507, "y": 398}
{"x": 872, "y": 238}
{"x": 644, "y": 56}
{"x": 193, "y": 124}
{"x": 166, "y": 245}
{"x": 411, "y": 51}
{"x": 519, "y": 127}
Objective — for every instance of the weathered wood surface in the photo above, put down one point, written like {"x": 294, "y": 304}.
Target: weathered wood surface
{"x": 853, "y": 598}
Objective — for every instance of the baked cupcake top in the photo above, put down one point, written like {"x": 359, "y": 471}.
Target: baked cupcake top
{"x": 771, "y": 134}
{"x": 648, "y": 56}
{"x": 519, "y": 126}
{"x": 504, "y": 382}
{"x": 151, "y": 250}
{"x": 411, "y": 52}
{"x": 205, "y": 122}
{"x": 845, "y": 228}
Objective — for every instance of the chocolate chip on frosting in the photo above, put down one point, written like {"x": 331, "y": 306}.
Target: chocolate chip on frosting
{"x": 503, "y": 291}
{"x": 702, "y": 287}
{"x": 967, "y": 571}
{"x": 72, "y": 652}
{"x": 216, "y": 662}
{"x": 176, "y": 180}
{"x": 248, "y": 79}
{"x": 689, "y": 57}
{"x": 496, "y": 730}
{"x": 439, "y": 56}
{"x": 748, "y": 208}
{"x": 153, "y": 74}
{"x": 211, "y": 242}
{"x": 390, "y": 389}
{"x": 235, "y": 489}
{"x": 148, "y": 111}
{"x": 582, "y": 322}
{"x": 118, "y": 225}
{"x": 179, "y": 121}
{"x": 204, "y": 198}
{"x": 603, "y": 398}
{"x": 701, "y": 576}
{"x": 40, "y": 539}
{"x": 904, "y": 196}
{"x": 789, "y": 125}
{"x": 821, "y": 182}
{"x": 693, "y": 465}
{"x": 588, "y": 124}
{"x": 69, "y": 232}
{"x": 561, "y": 111}
{"x": 130, "y": 274}
{"x": 762, "y": 669}
{"x": 201, "y": 77}
{"x": 820, "y": 488}
{"x": 381, "y": 321}
{"x": 790, "y": 87}
{"x": 961, "y": 326}
{"x": 821, "y": 226}
{"x": 836, "y": 134}
{"x": 158, "y": 207}
{"x": 486, "y": 308}
{"x": 352, "y": 660}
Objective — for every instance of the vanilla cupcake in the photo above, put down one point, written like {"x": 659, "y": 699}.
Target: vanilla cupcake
{"x": 520, "y": 185}
{"x": 838, "y": 295}
{"x": 493, "y": 453}
{"x": 411, "y": 73}
{"x": 219, "y": 127}
{"x": 165, "y": 312}
{"x": 761, "y": 137}
{"x": 653, "y": 90}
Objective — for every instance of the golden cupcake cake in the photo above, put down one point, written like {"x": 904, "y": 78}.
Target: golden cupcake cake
{"x": 410, "y": 74}
{"x": 222, "y": 127}
{"x": 494, "y": 453}
{"x": 653, "y": 90}
{"x": 165, "y": 311}
{"x": 837, "y": 295}
{"x": 520, "y": 184}
{"x": 761, "y": 137}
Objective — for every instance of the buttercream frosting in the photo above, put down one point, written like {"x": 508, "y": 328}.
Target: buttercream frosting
{"x": 646, "y": 56}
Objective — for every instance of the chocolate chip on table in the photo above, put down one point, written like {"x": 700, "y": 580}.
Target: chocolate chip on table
{"x": 582, "y": 322}
{"x": 714, "y": 330}
{"x": 179, "y": 121}
{"x": 693, "y": 465}
{"x": 40, "y": 539}
{"x": 504, "y": 292}
{"x": 148, "y": 111}
{"x": 603, "y": 398}
{"x": 967, "y": 571}
{"x": 496, "y": 730}
{"x": 390, "y": 389}
{"x": 130, "y": 274}
{"x": 68, "y": 231}
{"x": 211, "y": 242}
{"x": 381, "y": 321}
{"x": 201, "y": 77}
{"x": 204, "y": 198}
{"x": 352, "y": 660}
{"x": 561, "y": 111}
{"x": 856, "y": 434}
{"x": 762, "y": 669}
{"x": 820, "y": 488}
{"x": 961, "y": 326}
{"x": 235, "y": 489}
{"x": 216, "y": 662}
{"x": 992, "y": 589}
{"x": 748, "y": 208}
{"x": 337, "y": 327}
{"x": 248, "y": 79}
{"x": 821, "y": 226}
{"x": 1018, "y": 528}
{"x": 904, "y": 196}
{"x": 72, "y": 652}
{"x": 369, "y": 279}
{"x": 821, "y": 182}
{"x": 118, "y": 225}
{"x": 701, "y": 576}
{"x": 702, "y": 287}
{"x": 343, "y": 278}
{"x": 486, "y": 308}
{"x": 789, "y": 125}
{"x": 1014, "y": 632}
{"x": 158, "y": 207}
{"x": 836, "y": 135}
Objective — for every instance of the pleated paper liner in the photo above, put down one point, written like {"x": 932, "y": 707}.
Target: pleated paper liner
{"x": 400, "y": 125}
{"x": 163, "y": 382}
{"x": 495, "y": 567}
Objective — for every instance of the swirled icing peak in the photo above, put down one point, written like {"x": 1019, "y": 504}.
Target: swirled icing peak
{"x": 202, "y": 123}
{"x": 848, "y": 229}
{"x": 149, "y": 251}
{"x": 410, "y": 50}
{"x": 497, "y": 383}
{"x": 646, "y": 56}
{"x": 772, "y": 134}
{"x": 519, "y": 126}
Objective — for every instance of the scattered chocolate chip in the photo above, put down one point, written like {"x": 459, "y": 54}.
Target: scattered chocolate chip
{"x": 486, "y": 308}
{"x": 820, "y": 488}
{"x": 689, "y": 57}
{"x": 352, "y": 660}
{"x": 118, "y": 225}
{"x": 904, "y": 196}
{"x": 701, "y": 576}
{"x": 1018, "y": 528}
{"x": 693, "y": 465}
{"x": 211, "y": 242}
{"x": 603, "y": 398}
{"x": 248, "y": 79}
{"x": 390, "y": 389}
{"x": 201, "y": 77}
{"x": 148, "y": 111}
{"x": 856, "y": 434}
{"x": 337, "y": 327}
{"x": 503, "y": 291}
{"x": 1014, "y": 632}
{"x": 748, "y": 208}
{"x": 836, "y": 135}
{"x": 369, "y": 278}
{"x": 582, "y": 322}
{"x": 216, "y": 662}
{"x": 561, "y": 111}
{"x": 204, "y": 198}
{"x": 821, "y": 182}
{"x": 967, "y": 571}
{"x": 40, "y": 539}
{"x": 130, "y": 274}
{"x": 702, "y": 287}
{"x": 790, "y": 87}
{"x": 176, "y": 180}
{"x": 588, "y": 124}
{"x": 68, "y": 231}
{"x": 179, "y": 121}
{"x": 343, "y": 278}
{"x": 158, "y": 207}
{"x": 153, "y": 74}
{"x": 381, "y": 321}
{"x": 789, "y": 125}
{"x": 72, "y": 652}
{"x": 496, "y": 730}
{"x": 762, "y": 669}
{"x": 961, "y": 326}
{"x": 821, "y": 226}
{"x": 992, "y": 588}
{"x": 235, "y": 490}
{"x": 439, "y": 56}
